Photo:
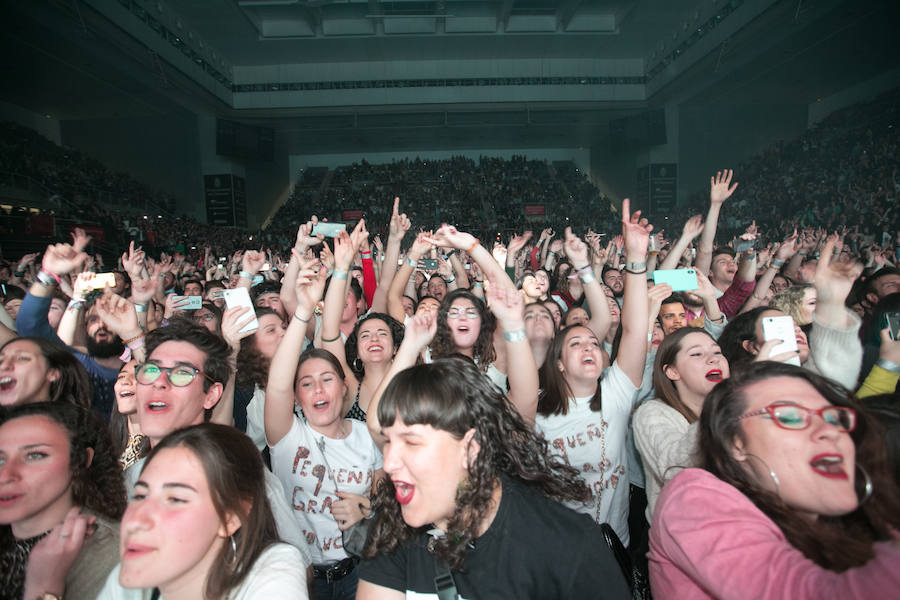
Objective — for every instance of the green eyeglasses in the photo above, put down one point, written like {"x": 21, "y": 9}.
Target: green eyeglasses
{"x": 179, "y": 375}
{"x": 794, "y": 416}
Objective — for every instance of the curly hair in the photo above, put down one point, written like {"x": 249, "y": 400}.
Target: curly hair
{"x": 836, "y": 543}
{"x": 98, "y": 486}
{"x": 234, "y": 471}
{"x": 790, "y": 301}
{"x": 253, "y": 366}
{"x": 443, "y": 345}
{"x": 351, "y": 348}
{"x": 454, "y": 397}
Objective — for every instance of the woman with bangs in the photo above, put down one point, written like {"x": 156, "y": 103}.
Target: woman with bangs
{"x": 327, "y": 464}
{"x": 585, "y": 417}
{"x": 367, "y": 354}
{"x": 471, "y": 506}
{"x": 689, "y": 363}
{"x": 791, "y": 500}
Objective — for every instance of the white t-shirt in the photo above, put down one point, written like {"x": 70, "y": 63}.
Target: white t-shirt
{"x": 277, "y": 573}
{"x": 311, "y": 480}
{"x": 594, "y": 443}
{"x": 497, "y": 377}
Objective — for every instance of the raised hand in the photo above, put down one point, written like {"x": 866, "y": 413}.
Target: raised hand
{"x": 635, "y": 232}
{"x": 233, "y": 320}
{"x": 420, "y": 330}
{"x": 518, "y": 242}
{"x": 655, "y": 296}
{"x": 305, "y": 240}
{"x": 81, "y": 287}
{"x": 448, "y": 236}
{"x": 174, "y": 303}
{"x": 253, "y": 261}
{"x": 310, "y": 283}
{"x": 508, "y": 305}
{"x": 576, "y": 249}
{"x": 400, "y": 224}
{"x": 344, "y": 251}
{"x": 119, "y": 315}
{"x": 693, "y": 227}
{"x": 61, "y": 259}
{"x": 720, "y": 188}
{"x": 834, "y": 279}
{"x": 327, "y": 257}
{"x": 420, "y": 246}
{"x": 142, "y": 290}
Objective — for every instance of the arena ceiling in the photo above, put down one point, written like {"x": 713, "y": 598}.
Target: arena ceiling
{"x": 348, "y": 75}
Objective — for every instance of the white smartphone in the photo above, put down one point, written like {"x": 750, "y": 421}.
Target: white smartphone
{"x": 241, "y": 297}
{"x": 781, "y": 328}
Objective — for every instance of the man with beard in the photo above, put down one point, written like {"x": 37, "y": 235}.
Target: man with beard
{"x": 615, "y": 281}
{"x": 103, "y": 347}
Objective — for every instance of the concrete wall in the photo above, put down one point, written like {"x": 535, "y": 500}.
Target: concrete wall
{"x": 858, "y": 93}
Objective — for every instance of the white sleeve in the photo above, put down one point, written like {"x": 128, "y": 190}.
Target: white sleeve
{"x": 276, "y": 574}
{"x": 288, "y": 527}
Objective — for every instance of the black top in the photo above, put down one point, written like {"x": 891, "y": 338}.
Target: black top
{"x": 535, "y": 548}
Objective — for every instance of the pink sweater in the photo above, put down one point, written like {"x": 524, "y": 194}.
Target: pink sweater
{"x": 708, "y": 540}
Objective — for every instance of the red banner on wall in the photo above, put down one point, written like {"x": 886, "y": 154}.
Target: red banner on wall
{"x": 535, "y": 210}
{"x": 351, "y": 215}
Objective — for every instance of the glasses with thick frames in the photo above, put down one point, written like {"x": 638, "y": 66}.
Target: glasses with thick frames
{"x": 794, "y": 416}
{"x": 179, "y": 375}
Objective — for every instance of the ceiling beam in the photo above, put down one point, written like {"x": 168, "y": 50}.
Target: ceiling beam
{"x": 503, "y": 14}
{"x": 565, "y": 12}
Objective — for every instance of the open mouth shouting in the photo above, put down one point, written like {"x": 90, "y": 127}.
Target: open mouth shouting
{"x": 157, "y": 406}
{"x": 7, "y": 499}
{"x": 714, "y": 375}
{"x": 829, "y": 465}
{"x": 7, "y": 384}
{"x": 404, "y": 491}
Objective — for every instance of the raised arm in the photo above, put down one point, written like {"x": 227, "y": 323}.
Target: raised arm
{"x": 720, "y": 189}
{"x": 344, "y": 250}
{"x": 633, "y": 347}
{"x": 577, "y": 252}
{"x": 448, "y": 235}
{"x": 304, "y": 242}
{"x": 508, "y": 306}
{"x": 279, "y": 408}
{"x": 71, "y": 319}
{"x": 397, "y": 229}
{"x": 119, "y": 316}
{"x": 398, "y": 285}
{"x": 420, "y": 330}
{"x": 784, "y": 253}
{"x": 692, "y": 228}
{"x": 233, "y": 320}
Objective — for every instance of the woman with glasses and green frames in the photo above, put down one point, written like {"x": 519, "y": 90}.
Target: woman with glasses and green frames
{"x": 792, "y": 499}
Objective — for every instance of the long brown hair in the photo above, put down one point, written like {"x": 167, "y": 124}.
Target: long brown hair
{"x": 554, "y": 399}
{"x": 665, "y": 357}
{"x": 834, "y": 543}
{"x": 234, "y": 470}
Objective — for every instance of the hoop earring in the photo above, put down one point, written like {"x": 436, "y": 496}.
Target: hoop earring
{"x": 771, "y": 473}
{"x": 233, "y": 558}
{"x": 357, "y": 364}
{"x": 868, "y": 486}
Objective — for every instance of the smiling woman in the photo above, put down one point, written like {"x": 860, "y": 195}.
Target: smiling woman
{"x": 792, "y": 484}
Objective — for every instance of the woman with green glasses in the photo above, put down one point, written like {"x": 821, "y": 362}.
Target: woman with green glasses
{"x": 793, "y": 499}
